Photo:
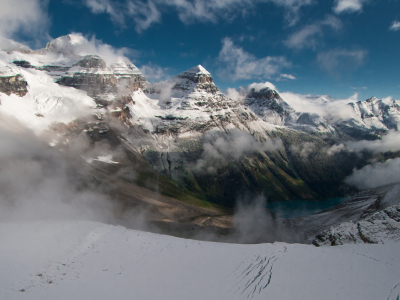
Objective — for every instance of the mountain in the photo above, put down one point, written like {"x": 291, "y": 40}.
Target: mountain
{"x": 271, "y": 108}
{"x": 371, "y": 118}
{"x": 183, "y": 137}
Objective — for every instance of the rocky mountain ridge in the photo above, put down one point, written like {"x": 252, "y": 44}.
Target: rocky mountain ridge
{"x": 188, "y": 130}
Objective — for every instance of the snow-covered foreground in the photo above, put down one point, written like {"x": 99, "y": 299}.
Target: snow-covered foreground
{"x": 87, "y": 260}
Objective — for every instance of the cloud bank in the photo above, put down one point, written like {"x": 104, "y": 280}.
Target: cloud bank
{"x": 375, "y": 175}
{"x": 37, "y": 182}
{"x": 324, "y": 106}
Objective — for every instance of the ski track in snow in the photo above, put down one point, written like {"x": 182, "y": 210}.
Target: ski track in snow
{"x": 395, "y": 293}
{"x": 258, "y": 275}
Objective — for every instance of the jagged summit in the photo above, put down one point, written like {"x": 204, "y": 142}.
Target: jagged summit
{"x": 196, "y": 79}
{"x": 199, "y": 69}
{"x": 265, "y": 93}
{"x": 372, "y": 99}
{"x": 197, "y": 74}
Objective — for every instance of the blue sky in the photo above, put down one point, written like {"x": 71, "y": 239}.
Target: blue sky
{"x": 334, "y": 47}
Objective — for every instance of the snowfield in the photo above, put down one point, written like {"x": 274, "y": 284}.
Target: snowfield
{"x": 88, "y": 260}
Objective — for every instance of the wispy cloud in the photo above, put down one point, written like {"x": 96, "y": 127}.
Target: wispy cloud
{"x": 237, "y": 64}
{"x": 348, "y": 6}
{"x": 144, "y": 15}
{"x": 27, "y": 16}
{"x": 147, "y": 13}
{"x": 338, "y": 60}
{"x": 105, "y": 6}
{"x": 308, "y": 36}
{"x": 153, "y": 72}
{"x": 292, "y": 8}
{"x": 395, "y": 26}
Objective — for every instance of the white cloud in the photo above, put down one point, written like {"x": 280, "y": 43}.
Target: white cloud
{"x": 287, "y": 76}
{"x": 76, "y": 43}
{"x": 28, "y": 16}
{"x": 262, "y": 85}
{"x": 308, "y": 36}
{"x": 395, "y": 26}
{"x": 389, "y": 142}
{"x": 146, "y": 13}
{"x": 375, "y": 175}
{"x": 348, "y": 6}
{"x": 335, "y": 61}
{"x": 239, "y": 64}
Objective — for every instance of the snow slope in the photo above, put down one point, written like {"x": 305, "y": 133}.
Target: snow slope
{"x": 87, "y": 260}
{"x": 46, "y": 101}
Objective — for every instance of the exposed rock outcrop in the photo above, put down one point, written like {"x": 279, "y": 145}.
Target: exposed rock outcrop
{"x": 92, "y": 75}
{"x": 380, "y": 228}
{"x": 15, "y": 84}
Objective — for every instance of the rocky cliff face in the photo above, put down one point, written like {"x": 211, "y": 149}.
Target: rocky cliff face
{"x": 92, "y": 75}
{"x": 14, "y": 84}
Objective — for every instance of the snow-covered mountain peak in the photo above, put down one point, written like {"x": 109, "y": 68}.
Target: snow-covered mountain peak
{"x": 196, "y": 74}
{"x": 370, "y": 100}
{"x": 199, "y": 69}
{"x": 64, "y": 44}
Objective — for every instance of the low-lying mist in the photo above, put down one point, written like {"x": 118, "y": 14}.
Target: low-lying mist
{"x": 38, "y": 182}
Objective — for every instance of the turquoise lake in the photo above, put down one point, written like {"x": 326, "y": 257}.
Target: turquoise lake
{"x": 295, "y": 208}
